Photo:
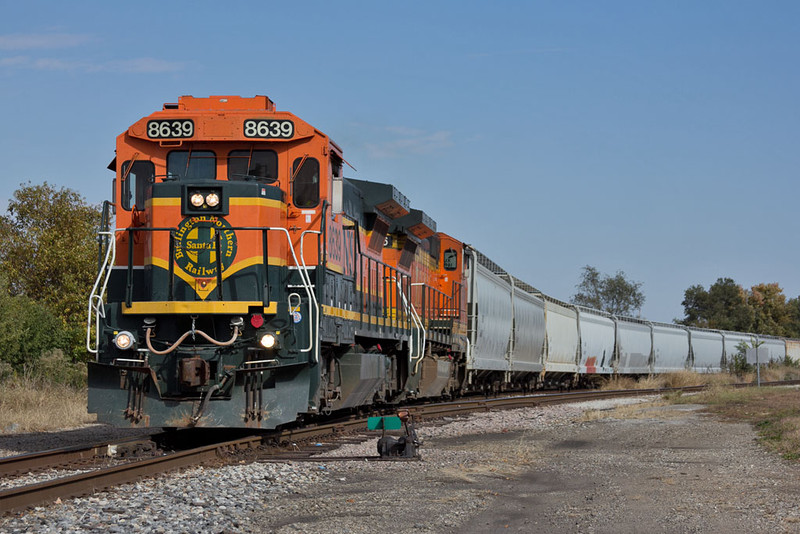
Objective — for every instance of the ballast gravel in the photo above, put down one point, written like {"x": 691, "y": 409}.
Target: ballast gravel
{"x": 672, "y": 469}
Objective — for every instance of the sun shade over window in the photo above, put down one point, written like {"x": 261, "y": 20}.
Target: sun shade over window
{"x": 186, "y": 166}
{"x": 407, "y": 255}
{"x": 260, "y": 165}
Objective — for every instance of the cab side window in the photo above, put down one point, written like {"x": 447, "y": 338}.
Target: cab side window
{"x": 450, "y": 260}
{"x": 136, "y": 177}
{"x": 261, "y": 165}
{"x": 305, "y": 187}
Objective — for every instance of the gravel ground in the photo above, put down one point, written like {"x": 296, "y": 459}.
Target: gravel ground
{"x": 671, "y": 470}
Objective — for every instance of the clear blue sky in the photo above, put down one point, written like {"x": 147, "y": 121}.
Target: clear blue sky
{"x": 659, "y": 138}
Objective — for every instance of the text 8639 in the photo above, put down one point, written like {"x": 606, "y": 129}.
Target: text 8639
{"x": 270, "y": 129}
{"x": 170, "y": 129}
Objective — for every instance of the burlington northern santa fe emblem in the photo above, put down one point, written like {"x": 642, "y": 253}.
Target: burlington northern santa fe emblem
{"x": 195, "y": 245}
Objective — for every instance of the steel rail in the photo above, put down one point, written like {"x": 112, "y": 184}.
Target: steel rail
{"x": 82, "y": 484}
{"x": 541, "y": 399}
{"x": 324, "y": 459}
{"x": 22, "y": 463}
{"x": 520, "y": 401}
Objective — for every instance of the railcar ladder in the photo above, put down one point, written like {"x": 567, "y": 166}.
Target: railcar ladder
{"x": 419, "y": 328}
{"x": 312, "y": 296}
{"x": 96, "y": 309}
{"x": 96, "y": 312}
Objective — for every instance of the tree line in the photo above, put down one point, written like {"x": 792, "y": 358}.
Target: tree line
{"x": 48, "y": 264}
{"x": 725, "y": 305}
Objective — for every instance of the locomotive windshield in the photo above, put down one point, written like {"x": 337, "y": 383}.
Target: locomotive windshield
{"x": 261, "y": 165}
{"x": 186, "y": 166}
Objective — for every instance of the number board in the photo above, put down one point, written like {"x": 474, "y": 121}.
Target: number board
{"x": 268, "y": 128}
{"x": 170, "y": 129}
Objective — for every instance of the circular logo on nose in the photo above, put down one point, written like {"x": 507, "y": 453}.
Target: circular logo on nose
{"x": 196, "y": 250}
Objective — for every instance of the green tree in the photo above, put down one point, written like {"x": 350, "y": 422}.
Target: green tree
{"x": 737, "y": 363}
{"x": 612, "y": 294}
{"x": 723, "y": 306}
{"x": 27, "y": 330}
{"x": 793, "y": 321}
{"x": 771, "y": 315}
{"x": 763, "y": 309}
{"x": 48, "y": 250}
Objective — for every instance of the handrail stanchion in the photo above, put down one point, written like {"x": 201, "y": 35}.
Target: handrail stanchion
{"x": 265, "y": 252}
{"x": 129, "y": 282}
{"x": 369, "y": 290}
{"x": 98, "y": 290}
{"x": 312, "y": 297}
{"x": 171, "y": 283}
{"x": 218, "y": 250}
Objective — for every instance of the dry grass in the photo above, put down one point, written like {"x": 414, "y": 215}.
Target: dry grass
{"x": 771, "y": 373}
{"x": 642, "y": 410}
{"x": 774, "y": 411}
{"x": 681, "y": 379}
{"x": 496, "y": 459}
{"x": 522, "y": 451}
{"x": 778, "y": 372}
{"x": 473, "y": 472}
{"x": 618, "y": 382}
{"x": 690, "y": 378}
{"x": 28, "y": 405}
{"x": 721, "y": 379}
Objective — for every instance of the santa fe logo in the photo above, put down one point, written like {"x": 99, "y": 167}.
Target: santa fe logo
{"x": 196, "y": 245}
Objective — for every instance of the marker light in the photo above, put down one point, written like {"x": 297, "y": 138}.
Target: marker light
{"x": 212, "y": 200}
{"x": 197, "y": 200}
{"x": 257, "y": 320}
{"x": 123, "y": 340}
{"x": 267, "y": 341}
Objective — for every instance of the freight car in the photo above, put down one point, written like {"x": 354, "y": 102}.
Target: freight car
{"x": 246, "y": 282}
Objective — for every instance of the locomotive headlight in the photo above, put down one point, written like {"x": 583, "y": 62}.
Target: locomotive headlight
{"x": 123, "y": 340}
{"x": 268, "y": 341}
{"x": 201, "y": 200}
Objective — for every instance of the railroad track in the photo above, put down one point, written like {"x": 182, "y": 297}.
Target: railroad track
{"x": 267, "y": 445}
{"x": 274, "y": 446}
{"x": 75, "y": 456}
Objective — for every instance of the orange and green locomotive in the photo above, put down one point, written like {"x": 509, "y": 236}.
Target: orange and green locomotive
{"x": 246, "y": 283}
